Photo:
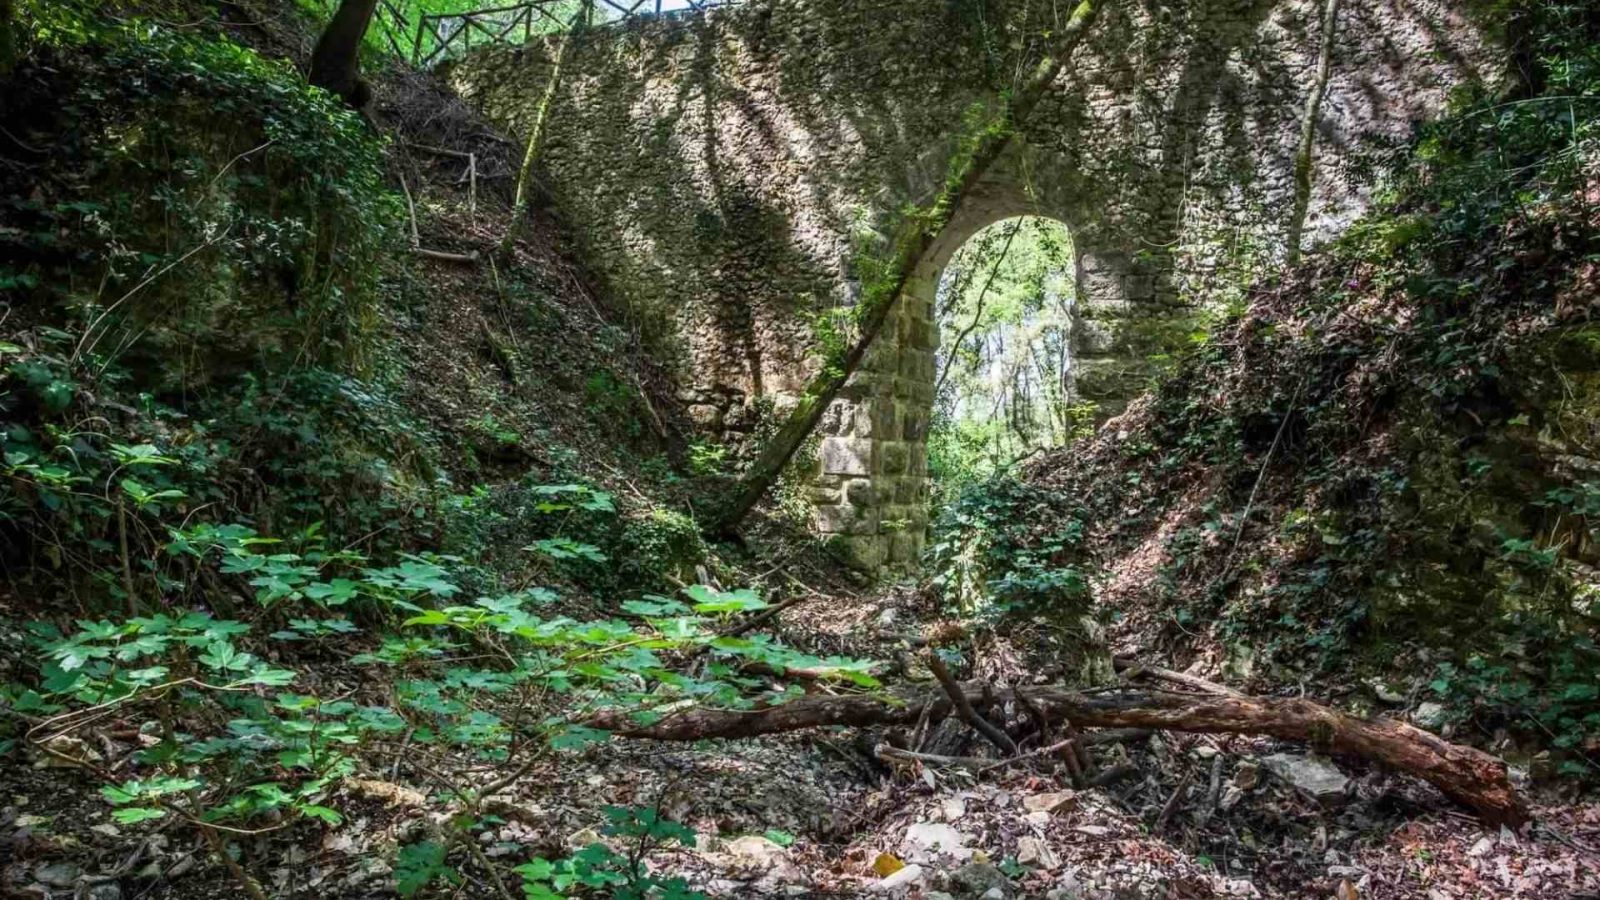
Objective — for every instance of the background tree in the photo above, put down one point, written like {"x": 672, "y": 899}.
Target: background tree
{"x": 8, "y": 41}
{"x": 336, "y": 61}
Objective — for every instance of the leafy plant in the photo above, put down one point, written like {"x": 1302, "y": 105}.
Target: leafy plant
{"x": 638, "y": 831}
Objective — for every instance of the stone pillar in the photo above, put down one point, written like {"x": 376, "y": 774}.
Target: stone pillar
{"x": 871, "y": 484}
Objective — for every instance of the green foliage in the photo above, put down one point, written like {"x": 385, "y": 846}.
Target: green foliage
{"x": 664, "y": 540}
{"x": 1003, "y": 546}
{"x": 421, "y": 864}
{"x": 640, "y": 831}
{"x": 707, "y": 458}
{"x": 1005, "y": 307}
{"x": 231, "y": 753}
{"x": 170, "y": 227}
{"x": 1536, "y": 679}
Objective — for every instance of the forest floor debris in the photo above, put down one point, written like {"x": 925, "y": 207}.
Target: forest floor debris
{"x": 813, "y": 814}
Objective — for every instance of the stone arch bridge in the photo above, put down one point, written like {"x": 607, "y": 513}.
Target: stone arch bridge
{"x": 735, "y": 174}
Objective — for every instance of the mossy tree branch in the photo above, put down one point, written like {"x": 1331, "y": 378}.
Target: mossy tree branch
{"x": 918, "y": 236}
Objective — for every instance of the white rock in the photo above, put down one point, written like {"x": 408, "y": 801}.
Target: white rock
{"x": 1383, "y": 692}
{"x": 1231, "y": 795}
{"x": 58, "y": 874}
{"x": 754, "y": 848}
{"x": 1482, "y": 848}
{"x": 926, "y": 840}
{"x": 1430, "y": 715}
{"x": 1033, "y": 851}
{"x": 1052, "y": 802}
{"x": 1316, "y": 778}
{"x": 903, "y": 880}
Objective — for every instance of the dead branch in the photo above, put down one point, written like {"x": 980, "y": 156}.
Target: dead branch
{"x": 1213, "y": 793}
{"x": 1171, "y": 806}
{"x": 964, "y": 707}
{"x": 1133, "y": 669}
{"x": 440, "y": 151}
{"x": 446, "y": 256}
{"x": 1466, "y": 775}
{"x": 976, "y": 763}
{"x": 1113, "y": 775}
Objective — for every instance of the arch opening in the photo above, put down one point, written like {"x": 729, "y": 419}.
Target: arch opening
{"x": 1005, "y": 306}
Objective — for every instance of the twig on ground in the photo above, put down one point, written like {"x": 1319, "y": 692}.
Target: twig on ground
{"x": 411, "y": 209}
{"x": 1113, "y": 775}
{"x": 1133, "y": 669}
{"x": 1065, "y": 744}
{"x": 764, "y": 616}
{"x": 977, "y": 764}
{"x": 1213, "y": 792}
{"x": 1172, "y": 802}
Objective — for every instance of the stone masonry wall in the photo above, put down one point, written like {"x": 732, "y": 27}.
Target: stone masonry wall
{"x": 732, "y": 174}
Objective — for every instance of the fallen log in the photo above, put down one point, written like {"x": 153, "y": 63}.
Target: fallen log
{"x": 1466, "y": 775}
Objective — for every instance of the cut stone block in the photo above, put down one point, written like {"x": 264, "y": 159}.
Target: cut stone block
{"x": 865, "y": 552}
{"x": 861, "y": 492}
{"x": 895, "y": 458}
{"x": 846, "y": 520}
{"x": 846, "y": 456}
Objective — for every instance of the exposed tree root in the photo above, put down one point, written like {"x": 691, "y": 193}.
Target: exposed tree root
{"x": 1468, "y": 776}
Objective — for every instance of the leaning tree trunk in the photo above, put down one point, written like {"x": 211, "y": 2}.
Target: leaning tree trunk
{"x": 1468, "y": 776}
{"x": 336, "y": 61}
{"x": 1308, "y": 131}
{"x": 880, "y": 298}
{"x": 530, "y": 155}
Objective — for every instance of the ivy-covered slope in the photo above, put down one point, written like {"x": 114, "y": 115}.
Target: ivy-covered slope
{"x": 203, "y": 256}
{"x": 1386, "y": 466}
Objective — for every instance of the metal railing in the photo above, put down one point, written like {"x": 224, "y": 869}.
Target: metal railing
{"x": 438, "y": 36}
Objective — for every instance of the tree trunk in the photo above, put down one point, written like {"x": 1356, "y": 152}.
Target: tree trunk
{"x": 8, "y": 36}
{"x": 1468, "y": 776}
{"x": 1308, "y": 131}
{"x": 519, "y": 204}
{"x": 880, "y": 298}
{"x": 336, "y": 61}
